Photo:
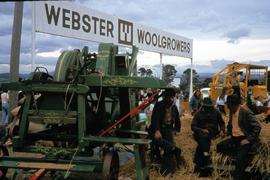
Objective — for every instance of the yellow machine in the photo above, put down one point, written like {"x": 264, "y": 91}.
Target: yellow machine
{"x": 247, "y": 76}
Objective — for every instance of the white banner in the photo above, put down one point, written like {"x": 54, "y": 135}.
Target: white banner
{"x": 70, "y": 20}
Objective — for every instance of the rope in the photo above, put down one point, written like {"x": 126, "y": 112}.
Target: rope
{"x": 72, "y": 95}
{"x": 35, "y": 102}
{"x": 69, "y": 166}
{"x": 65, "y": 107}
{"x": 77, "y": 149}
{"x": 100, "y": 91}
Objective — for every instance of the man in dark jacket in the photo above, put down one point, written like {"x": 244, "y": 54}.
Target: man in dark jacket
{"x": 165, "y": 122}
{"x": 195, "y": 102}
{"x": 243, "y": 131}
{"x": 206, "y": 125}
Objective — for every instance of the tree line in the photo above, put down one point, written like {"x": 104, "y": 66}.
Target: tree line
{"x": 169, "y": 73}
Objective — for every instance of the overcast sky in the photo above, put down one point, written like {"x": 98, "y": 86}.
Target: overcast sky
{"x": 222, "y": 31}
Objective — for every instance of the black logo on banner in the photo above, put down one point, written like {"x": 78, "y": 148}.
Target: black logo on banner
{"x": 125, "y": 32}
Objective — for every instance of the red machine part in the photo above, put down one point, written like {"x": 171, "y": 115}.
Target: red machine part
{"x": 133, "y": 112}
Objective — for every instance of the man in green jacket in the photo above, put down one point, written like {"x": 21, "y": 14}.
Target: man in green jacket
{"x": 243, "y": 130}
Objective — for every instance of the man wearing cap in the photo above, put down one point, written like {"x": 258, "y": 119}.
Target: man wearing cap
{"x": 207, "y": 124}
{"x": 195, "y": 102}
{"x": 243, "y": 130}
{"x": 165, "y": 122}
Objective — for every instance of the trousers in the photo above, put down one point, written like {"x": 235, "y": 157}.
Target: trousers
{"x": 204, "y": 143}
{"x": 5, "y": 109}
{"x": 232, "y": 147}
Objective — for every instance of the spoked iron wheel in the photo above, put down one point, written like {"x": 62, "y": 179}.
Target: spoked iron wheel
{"x": 3, "y": 152}
{"x": 110, "y": 168}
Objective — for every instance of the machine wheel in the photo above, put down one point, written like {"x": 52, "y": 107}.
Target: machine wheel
{"x": 3, "y": 152}
{"x": 110, "y": 168}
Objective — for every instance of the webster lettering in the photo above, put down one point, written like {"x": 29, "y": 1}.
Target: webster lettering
{"x": 66, "y": 18}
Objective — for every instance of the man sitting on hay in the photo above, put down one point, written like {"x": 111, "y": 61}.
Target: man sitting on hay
{"x": 243, "y": 130}
{"x": 206, "y": 125}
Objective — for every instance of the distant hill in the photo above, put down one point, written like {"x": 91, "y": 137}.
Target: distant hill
{"x": 202, "y": 75}
{"x": 206, "y": 75}
{"x": 5, "y": 76}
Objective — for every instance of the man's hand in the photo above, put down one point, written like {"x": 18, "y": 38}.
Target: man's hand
{"x": 158, "y": 135}
{"x": 222, "y": 134}
{"x": 244, "y": 142}
{"x": 205, "y": 131}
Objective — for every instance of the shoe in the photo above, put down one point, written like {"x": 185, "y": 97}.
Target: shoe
{"x": 197, "y": 169}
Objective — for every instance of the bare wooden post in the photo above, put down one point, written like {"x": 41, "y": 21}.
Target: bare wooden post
{"x": 191, "y": 79}
{"x": 161, "y": 66}
{"x": 15, "y": 50}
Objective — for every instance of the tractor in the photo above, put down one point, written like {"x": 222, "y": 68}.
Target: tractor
{"x": 82, "y": 112}
{"x": 252, "y": 80}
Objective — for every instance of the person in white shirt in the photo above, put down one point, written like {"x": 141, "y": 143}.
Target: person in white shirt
{"x": 268, "y": 101}
{"x": 5, "y": 107}
{"x": 221, "y": 101}
{"x": 259, "y": 102}
{"x": 177, "y": 100}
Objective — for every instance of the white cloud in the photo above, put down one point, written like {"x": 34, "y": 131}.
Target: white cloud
{"x": 26, "y": 68}
{"x": 151, "y": 58}
{"x": 247, "y": 50}
{"x": 204, "y": 51}
{"x": 4, "y": 68}
{"x": 50, "y": 54}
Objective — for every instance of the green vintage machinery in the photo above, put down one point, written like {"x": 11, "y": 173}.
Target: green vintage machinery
{"x": 87, "y": 94}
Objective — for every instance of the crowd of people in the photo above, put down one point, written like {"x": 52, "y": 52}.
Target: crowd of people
{"x": 242, "y": 131}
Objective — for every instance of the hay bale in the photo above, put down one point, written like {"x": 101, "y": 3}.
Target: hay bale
{"x": 260, "y": 117}
{"x": 220, "y": 160}
{"x": 128, "y": 170}
{"x": 260, "y": 162}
